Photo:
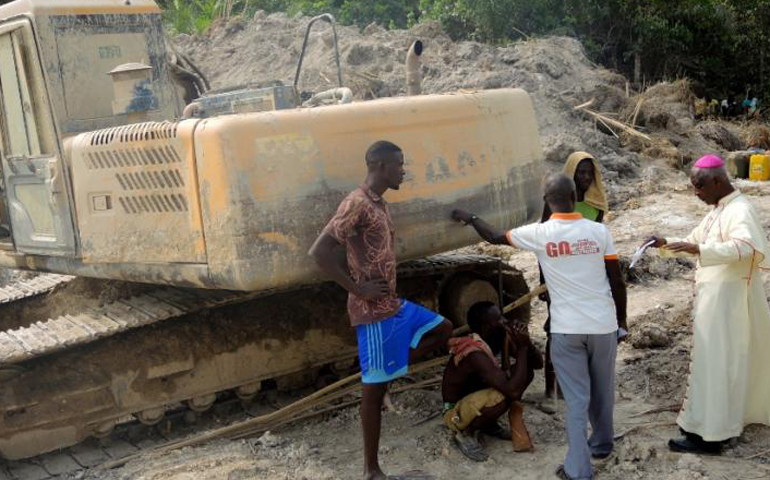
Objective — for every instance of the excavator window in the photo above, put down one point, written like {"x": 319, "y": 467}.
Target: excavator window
{"x": 21, "y": 131}
{"x": 21, "y": 135}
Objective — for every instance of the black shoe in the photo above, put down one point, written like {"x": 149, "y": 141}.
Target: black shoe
{"x": 600, "y": 456}
{"x": 560, "y": 473}
{"x": 498, "y": 431}
{"x": 471, "y": 448}
{"x": 689, "y": 445}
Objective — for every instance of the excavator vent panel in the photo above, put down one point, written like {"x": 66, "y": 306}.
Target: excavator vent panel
{"x": 132, "y": 157}
{"x": 136, "y": 194}
{"x": 135, "y": 132}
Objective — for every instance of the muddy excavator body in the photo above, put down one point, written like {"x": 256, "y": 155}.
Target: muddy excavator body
{"x": 212, "y": 206}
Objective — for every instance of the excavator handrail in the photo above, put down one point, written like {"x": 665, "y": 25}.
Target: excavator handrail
{"x": 329, "y": 18}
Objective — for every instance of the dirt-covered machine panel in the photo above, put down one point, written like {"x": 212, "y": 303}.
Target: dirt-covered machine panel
{"x": 257, "y": 189}
{"x": 269, "y": 181}
{"x": 136, "y": 194}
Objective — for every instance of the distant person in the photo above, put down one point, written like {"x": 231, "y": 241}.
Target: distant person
{"x": 746, "y": 104}
{"x": 735, "y": 108}
{"x": 701, "y": 107}
{"x": 713, "y": 107}
{"x": 728, "y": 384}
{"x": 477, "y": 389}
{"x": 588, "y": 304}
{"x": 392, "y": 332}
{"x": 754, "y": 106}
{"x": 724, "y": 108}
{"x": 592, "y": 205}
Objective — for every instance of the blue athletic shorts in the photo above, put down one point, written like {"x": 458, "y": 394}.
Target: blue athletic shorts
{"x": 383, "y": 347}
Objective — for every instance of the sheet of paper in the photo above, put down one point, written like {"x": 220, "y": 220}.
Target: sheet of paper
{"x": 638, "y": 254}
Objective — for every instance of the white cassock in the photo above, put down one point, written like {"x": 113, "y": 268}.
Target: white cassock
{"x": 729, "y": 383}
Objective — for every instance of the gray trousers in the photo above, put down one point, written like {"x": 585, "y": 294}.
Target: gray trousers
{"x": 585, "y": 369}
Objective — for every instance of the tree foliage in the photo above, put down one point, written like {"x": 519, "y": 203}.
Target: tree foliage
{"x": 722, "y": 44}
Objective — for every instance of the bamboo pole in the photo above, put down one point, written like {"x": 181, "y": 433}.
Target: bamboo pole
{"x": 636, "y": 111}
{"x": 609, "y": 121}
{"x": 325, "y": 395}
{"x": 404, "y": 388}
{"x": 524, "y": 299}
{"x": 322, "y": 396}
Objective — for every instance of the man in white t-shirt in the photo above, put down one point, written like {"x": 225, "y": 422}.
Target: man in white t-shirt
{"x": 588, "y": 315}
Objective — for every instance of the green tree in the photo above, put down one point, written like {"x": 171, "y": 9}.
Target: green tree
{"x": 388, "y": 13}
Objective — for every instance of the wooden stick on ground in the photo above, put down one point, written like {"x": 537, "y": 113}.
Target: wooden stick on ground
{"x": 320, "y": 397}
{"x": 415, "y": 386}
{"x": 612, "y": 122}
{"x": 635, "y": 428}
{"x": 669, "y": 408}
{"x": 584, "y": 105}
{"x": 636, "y": 111}
{"x": 760, "y": 454}
{"x": 599, "y": 119}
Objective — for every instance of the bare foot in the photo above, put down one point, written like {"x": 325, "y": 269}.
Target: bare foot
{"x": 388, "y": 402}
{"x": 377, "y": 475}
{"x": 412, "y": 475}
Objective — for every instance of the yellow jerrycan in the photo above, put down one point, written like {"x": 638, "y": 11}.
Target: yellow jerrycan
{"x": 759, "y": 168}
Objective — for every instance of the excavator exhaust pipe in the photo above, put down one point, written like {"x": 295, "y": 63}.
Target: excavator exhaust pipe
{"x": 414, "y": 69}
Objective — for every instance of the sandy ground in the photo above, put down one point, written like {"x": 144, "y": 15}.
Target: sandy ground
{"x": 659, "y": 300}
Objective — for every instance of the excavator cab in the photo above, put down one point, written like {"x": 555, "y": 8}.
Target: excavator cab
{"x": 58, "y": 64}
{"x": 35, "y": 200}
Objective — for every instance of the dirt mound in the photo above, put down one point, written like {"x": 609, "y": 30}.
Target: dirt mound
{"x": 662, "y": 338}
{"x": 555, "y": 71}
{"x": 757, "y": 136}
{"x": 720, "y": 134}
{"x": 666, "y": 112}
{"x": 652, "y": 268}
{"x": 665, "y": 106}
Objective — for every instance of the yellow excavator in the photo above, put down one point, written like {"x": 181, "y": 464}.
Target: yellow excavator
{"x": 169, "y": 224}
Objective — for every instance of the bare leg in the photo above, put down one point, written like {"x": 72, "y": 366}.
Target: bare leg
{"x": 468, "y": 440}
{"x": 552, "y": 389}
{"x": 488, "y": 417}
{"x": 371, "y": 419}
{"x": 431, "y": 341}
{"x": 550, "y": 374}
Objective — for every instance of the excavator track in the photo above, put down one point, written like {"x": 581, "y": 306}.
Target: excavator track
{"x": 69, "y": 331}
{"x": 78, "y": 375}
{"x": 40, "y": 284}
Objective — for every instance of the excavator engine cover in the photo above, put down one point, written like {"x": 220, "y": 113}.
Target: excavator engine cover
{"x": 245, "y": 100}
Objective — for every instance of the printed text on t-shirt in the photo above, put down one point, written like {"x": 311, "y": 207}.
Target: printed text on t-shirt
{"x": 581, "y": 247}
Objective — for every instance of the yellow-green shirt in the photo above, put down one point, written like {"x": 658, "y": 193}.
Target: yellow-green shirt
{"x": 588, "y": 212}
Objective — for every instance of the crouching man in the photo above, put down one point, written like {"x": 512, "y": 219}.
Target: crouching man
{"x": 477, "y": 389}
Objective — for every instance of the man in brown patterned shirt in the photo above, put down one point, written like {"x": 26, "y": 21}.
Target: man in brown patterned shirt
{"x": 391, "y": 332}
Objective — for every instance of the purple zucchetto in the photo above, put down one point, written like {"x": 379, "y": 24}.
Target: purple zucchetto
{"x": 709, "y": 161}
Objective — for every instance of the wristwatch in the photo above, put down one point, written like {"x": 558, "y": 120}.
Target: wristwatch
{"x": 472, "y": 219}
